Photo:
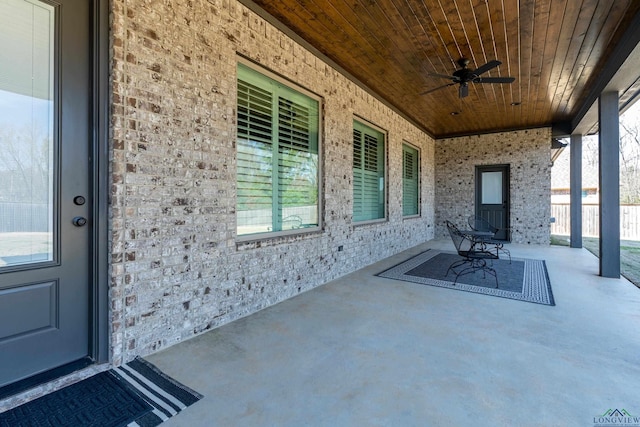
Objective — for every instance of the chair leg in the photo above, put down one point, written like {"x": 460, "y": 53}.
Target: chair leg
{"x": 501, "y": 248}
{"x": 495, "y": 276}
{"x": 464, "y": 271}
{"x": 455, "y": 265}
{"x": 491, "y": 271}
{"x": 475, "y": 264}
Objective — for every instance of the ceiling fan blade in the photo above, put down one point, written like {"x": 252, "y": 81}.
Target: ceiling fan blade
{"x": 486, "y": 67}
{"x": 463, "y": 92}
{"x": 437, "y": 88}
{"x": 494, "y": 80}
{"x": 444, "y": 76}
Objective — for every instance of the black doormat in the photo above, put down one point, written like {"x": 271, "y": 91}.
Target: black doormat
{"x": 522, "y": 279}
{"x": 135, "y": 394}
{"x": 44, "y": 377}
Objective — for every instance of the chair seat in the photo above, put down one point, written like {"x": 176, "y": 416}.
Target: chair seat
{"x": 477, "y": 254}
{"x": 473, "y": 253}
{"x": 493, "y": 241}
{"x": 480, "y": 224}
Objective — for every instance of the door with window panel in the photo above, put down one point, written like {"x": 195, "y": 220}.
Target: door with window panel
{"x": 492, "y": 197}
{"x": 44, "y": 197}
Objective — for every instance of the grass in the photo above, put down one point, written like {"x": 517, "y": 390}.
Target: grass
{"x": 629, "y": 254}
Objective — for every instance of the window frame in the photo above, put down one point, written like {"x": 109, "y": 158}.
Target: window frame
{"x": 385, "y": 172}
{"x": 419, "y": 180}
{"x": 291, "y": 86}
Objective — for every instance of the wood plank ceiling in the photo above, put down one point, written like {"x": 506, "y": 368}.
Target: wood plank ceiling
{"x": 554, "y": 49}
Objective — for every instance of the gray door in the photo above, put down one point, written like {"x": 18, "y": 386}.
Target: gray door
{"x": 45, "y": 182}
{"x": 492, "y": 197}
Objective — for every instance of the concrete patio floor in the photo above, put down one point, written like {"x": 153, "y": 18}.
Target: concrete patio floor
{"x": 369, "y": 351}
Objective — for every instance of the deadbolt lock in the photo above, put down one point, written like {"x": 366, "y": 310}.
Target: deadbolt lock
{"x": 79, "y": 221}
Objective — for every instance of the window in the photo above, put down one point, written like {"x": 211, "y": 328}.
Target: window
{"x": 277, "y": 156}
{"x": 368, "y": 173}
{"x": 410, "y": 181}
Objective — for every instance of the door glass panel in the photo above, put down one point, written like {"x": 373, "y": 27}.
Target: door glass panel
{"x": 26, "y": 132}
{"x": 491, "y": 188}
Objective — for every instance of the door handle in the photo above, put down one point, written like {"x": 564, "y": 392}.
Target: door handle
{"x": 79, "y": 221}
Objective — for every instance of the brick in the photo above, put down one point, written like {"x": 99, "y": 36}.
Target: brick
{"x": 529, "y": 155}
{"x": 177, "y": 269}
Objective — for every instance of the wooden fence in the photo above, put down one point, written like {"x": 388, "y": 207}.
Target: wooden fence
{"x": 629, "y": 220}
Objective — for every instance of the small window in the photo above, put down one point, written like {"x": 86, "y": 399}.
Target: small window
{"x": 277, "y": 156}
{"x": 368, "y": 173}
{"x": 410, "y": 181}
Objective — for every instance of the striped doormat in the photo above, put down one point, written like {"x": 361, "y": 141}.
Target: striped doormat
{"x": 136, "y": 395}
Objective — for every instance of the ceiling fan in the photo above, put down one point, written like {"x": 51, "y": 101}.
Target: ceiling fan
{"x": 464, "y": 76}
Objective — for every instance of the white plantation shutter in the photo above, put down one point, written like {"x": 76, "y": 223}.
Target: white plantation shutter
{"x": 358, "y": 192}
{"x": 410, "y": 180}
{"x": 255, "y": 153}
{"x": 277, "y": 164}
{"x": 368, "y": 173}
{"x": 27, "y": 32}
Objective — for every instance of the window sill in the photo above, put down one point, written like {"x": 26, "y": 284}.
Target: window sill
{"x": 255, "y": 241}
{"x": 369, "y": 222}
{"x": 411, "y": 217}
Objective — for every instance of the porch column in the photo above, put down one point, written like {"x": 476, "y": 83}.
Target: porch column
{"x": 609, "y": 153}
{"x": 575, "y": 172}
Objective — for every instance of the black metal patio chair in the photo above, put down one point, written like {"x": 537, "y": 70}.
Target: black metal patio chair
{"x": 474, "y": 257}
{"x": 478, "y": 223}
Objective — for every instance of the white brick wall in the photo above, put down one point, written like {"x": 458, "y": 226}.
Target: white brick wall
{"x": 527, "y": 152}
{"x": 176, "y": 267}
